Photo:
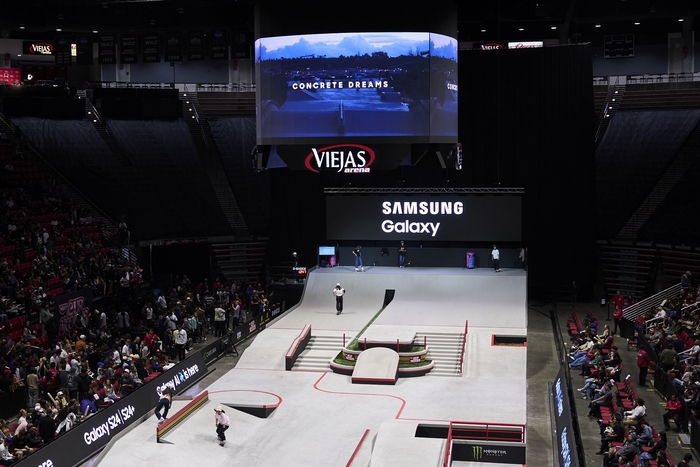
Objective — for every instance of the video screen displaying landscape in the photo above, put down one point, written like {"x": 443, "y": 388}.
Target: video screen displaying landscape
{"x": 356, "y": 86}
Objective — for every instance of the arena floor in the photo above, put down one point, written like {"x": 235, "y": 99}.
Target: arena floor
{"x": 322, "y": 417}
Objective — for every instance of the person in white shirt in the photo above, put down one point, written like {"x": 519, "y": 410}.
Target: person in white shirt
{"x": 222, "y": 423}
{"x": 338, "y": 291}
{"x": 6, "y": 457}
{"x": 496, "y": 258}
{"x": 639, "y": 411}
{"x": 180, "y": 342}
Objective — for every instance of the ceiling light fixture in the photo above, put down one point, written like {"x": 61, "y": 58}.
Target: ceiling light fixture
{"x": 597, "y": 25}
{"x": 637, "y": 23}
{"x": 521, "y": 29}
{"x": 95, "y": 31}
{"x": 21, "y": 26}
{"x": 483, "y": 30}
{"x": 59, "y": 29}
{"x": 553, "y": 27}
{"x": 681, "y": 19}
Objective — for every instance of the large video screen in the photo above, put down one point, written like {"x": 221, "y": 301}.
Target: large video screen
{"x": 357, "y": 87}
{"x": 424, "y": 217}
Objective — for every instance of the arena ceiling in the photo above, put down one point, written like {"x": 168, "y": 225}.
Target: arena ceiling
{"x": 575, "y": 20}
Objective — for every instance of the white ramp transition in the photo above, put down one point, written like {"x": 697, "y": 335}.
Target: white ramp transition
{"x": 377, "y": 365}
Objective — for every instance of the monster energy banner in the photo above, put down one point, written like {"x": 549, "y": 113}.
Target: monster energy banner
{"x": 473, "y": 451}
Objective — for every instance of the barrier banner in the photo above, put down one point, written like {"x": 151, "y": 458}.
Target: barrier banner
{"x": 71, "y": 306}
{"x": 218, "y": 44}
{"x": 83, "y": 43}
{"x": 565, "y": 436}
{"x": 89, "y": 437}
{"x": 151, "y": 48}
{"x": 173, "y": 46}
{"x": 128, "y": 48}
{"x": 10, "y": 76}
{"x": 107, "y": 50}
{"x": 475, "y": 451}
{"x": 195, "y": 45}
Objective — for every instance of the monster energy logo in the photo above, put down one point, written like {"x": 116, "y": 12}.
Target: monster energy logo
{"x": 479, "y": 451}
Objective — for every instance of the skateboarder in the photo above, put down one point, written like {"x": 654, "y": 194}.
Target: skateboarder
{"x": 358, "y": 259}
{"x": 338, "y": 292}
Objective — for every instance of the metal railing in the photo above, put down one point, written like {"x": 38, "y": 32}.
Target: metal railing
{"x": 464, "y": 346}
{"x": 632, "y": 312}
{"x": 646, "y": 78}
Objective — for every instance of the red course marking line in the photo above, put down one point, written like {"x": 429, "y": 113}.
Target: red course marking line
{"x": 279, "y": 399}
{"x": 398, "y": 414}
{"x": 357, "y": 449}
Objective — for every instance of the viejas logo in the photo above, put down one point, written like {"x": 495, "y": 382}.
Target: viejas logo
{"x": 347, "y": 158}
{"x": 491, "y": 46}
{"x": 41, "y": 48}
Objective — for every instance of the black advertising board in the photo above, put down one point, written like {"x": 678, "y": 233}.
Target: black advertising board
{"x": 424, "y": 217}
{"x": 218, "y": 44}
{"x": 195, "y": 45}
{"x": 151, "y": 48}
{"x": 128, "y": 48}
{"x": 565, "y": 437}
{"x": 71, "y": 306}
{"x": 474, "y": 451}
{"x": 343, "y": 158}
{"x": 84, "y": 53}
{"x": 107, "y": 50}
{"x": 62, "y": 49}
{"x": 172, "y": 42}
{"x": 89, "y": 437}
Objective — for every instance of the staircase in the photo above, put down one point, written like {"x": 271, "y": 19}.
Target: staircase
{"x": 206, "y": 148}
{"x": 240, "y": 261}
{"x": 444, "y": 349}
{"x": 319, "y": 352}
{"x": 93, "y": 115}
{"x": 627, "y": 268}
{"x": 612, "y": 104}
{"x": 688, "y": 155}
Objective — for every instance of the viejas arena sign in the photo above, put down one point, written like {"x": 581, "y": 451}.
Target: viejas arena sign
{"x": 347, "y": 158}
{"x": 342, "y": 158}
{"x": 37, "y": 48}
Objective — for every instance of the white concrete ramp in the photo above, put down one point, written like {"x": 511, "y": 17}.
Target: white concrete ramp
{"x": 377, "y": 365}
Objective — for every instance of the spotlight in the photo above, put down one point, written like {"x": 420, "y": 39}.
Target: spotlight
{"x": 597, "y": 25}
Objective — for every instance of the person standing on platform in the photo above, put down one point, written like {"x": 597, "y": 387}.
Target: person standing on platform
{"x": 338, "y": 292}
{"x": 358, "y": 259}
{"x": 295, "y": 260}
{"x": 619, "y": 300}
{"x": 402, "y": 254}
{"x": 222, "y": 424}
{"x": 496, "y": 258}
